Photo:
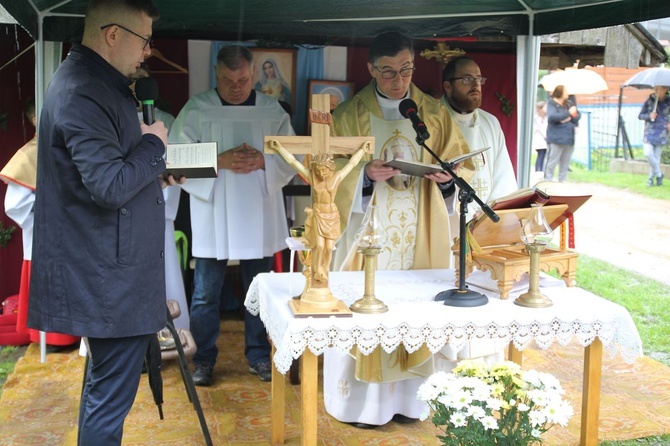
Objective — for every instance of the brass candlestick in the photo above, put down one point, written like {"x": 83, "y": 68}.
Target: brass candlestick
{"x": 535, "y": 234}
{"x": 370, "y": 239}
{"x": 369, "y": 304}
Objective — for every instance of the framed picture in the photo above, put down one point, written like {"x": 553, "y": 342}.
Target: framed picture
{"x": 274, "y": 73}
{"x": 339, "y": 92}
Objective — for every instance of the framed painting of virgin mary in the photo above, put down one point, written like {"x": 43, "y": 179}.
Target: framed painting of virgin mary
{"x": 274, "y": 73}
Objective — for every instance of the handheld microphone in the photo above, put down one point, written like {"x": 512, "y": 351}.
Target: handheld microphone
{"x": 146, "y": 90}
{"x": 408, "y": 109}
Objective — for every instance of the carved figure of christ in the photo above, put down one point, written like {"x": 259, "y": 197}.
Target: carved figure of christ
{"x": 322, "y": 228}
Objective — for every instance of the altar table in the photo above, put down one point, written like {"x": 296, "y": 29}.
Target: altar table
{"x": 415, "y": 319}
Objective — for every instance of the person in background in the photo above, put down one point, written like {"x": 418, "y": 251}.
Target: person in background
{"x": 20, "y": 174}
{"x": 462, "y": 82}
{"x": 174, "y": 281}
{"x": 240, "y": 214}
{"x": 419, "y": 241}
{"x": 97, "y": 267}
{"x": 656, "y": 116}
{"x": 540, "y": 134}
{"x": 562, "y": 121}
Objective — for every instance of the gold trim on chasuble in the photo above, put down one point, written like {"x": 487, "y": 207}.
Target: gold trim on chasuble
{"x": 397, "y": 197}
{"x": 479, "y": 182}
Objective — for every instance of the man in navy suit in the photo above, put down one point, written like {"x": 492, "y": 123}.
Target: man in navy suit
{"x": 98, "y": 269}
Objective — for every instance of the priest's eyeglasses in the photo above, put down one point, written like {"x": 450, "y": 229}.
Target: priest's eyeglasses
{"x": 469, "y": 80}
{"x": 147, "y": 40}
{"x": 391, "y": 74}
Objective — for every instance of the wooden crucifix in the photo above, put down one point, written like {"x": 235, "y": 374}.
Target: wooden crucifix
{"x": 322, "y": 227}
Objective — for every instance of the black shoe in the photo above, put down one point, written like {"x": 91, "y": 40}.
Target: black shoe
{"x": 364, "y": 425}
{"x": 263, "y": 369}
{"x": 650, "y": 182}
{"x": 202, "y": 375}
{"x": 402, "y": 419}
{"x": 659, "y": 180}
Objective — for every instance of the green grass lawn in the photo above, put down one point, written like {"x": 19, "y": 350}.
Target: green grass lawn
{"x": 647, "y": 301}
{"x": 628, "y": 181}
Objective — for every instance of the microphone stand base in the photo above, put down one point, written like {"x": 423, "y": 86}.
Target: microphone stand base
{"x": 462, "y": 298}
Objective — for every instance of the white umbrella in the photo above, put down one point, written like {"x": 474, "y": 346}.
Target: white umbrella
{"x": 575, "y": 80}
{"x": 653, "y": 77}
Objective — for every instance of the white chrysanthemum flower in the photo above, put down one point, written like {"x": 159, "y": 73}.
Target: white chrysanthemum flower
{"x": 560, "y": 413}
{"x": 538, "y": 397}
{"x": 427, "y": 392}
{"x": 458, "y": 419}
{"x": 462, "y": 399}
{"x": 481, "y": 392}
{"x": 489, "y": 422}
{"x": 523, "y": 407}
{"x": 549, "y": 381}
{"x": 494, "y": 403}
{"x": 536, "y": 418}
{"x": 476, "y": 412}
{"x": 445, "y": 398}
{"x": 532, "y": 377}
{"x": 535, "y": 433}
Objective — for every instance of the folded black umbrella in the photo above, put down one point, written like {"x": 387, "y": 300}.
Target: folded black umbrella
{"x": 153, "y": 364}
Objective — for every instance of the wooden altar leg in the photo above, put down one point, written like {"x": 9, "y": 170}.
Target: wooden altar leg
{"x": 278, "y": 387}
{"x": 309, "y": 373}
{"x": 593, "y": 360}
{"x": 515, "y": 355}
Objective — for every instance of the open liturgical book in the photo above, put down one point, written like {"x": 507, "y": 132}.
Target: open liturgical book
{"x": 192, "y": 160}
{"x": 559, "y": 204}
{"x": 546, "y": 193}
{"x": 418, "y": 169}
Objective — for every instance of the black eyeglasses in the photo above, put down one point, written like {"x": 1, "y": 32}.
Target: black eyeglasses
{"x": 390, "y": 74}
{"x": 147, "y": 40}
{"x": 469, "y": 80}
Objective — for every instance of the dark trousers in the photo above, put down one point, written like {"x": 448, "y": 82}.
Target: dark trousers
{"x": 205, "y": 324}
{"x": 539, "y": 162}
{"x": 114, "y": 372}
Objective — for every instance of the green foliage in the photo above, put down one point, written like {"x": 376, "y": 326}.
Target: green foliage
{"x": 8, "y": 357}
{"x": 665, "y": 155}
{"x": 5, "y": 234}
{"x": 506, "y": 106}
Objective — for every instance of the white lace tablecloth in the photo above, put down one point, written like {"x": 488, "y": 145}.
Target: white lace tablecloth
{"x": 415, "y": 319}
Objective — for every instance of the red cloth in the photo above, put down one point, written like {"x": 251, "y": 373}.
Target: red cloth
{"x": 24, "y": 291}
{"x": 8, "y": 334}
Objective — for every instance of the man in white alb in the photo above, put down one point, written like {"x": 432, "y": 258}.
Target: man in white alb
{"x": 240, "y": 214}
{"x": 494, "y": 175}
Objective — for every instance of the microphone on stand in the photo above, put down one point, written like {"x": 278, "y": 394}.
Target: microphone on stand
{"x": 146, "y": 90}
{"x": 408, "y": 109}
{"x": 461, "y": 296}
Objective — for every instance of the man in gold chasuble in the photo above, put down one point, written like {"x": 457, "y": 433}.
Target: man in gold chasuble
{"x": 414, "y": 213}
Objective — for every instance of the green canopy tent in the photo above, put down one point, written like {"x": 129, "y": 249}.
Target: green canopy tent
{"x": 343, "y": 22}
